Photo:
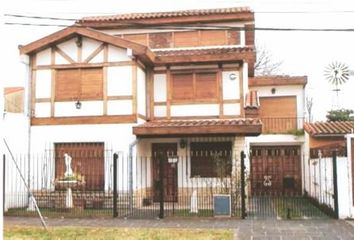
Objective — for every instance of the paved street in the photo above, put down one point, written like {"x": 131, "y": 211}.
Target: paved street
{"x": 243, "y": 229}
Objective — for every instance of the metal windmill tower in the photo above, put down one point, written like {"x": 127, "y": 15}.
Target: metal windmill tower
{"x": 337, "y": 73}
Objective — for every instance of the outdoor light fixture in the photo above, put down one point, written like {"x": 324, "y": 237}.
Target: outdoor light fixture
{"x": 273, "y": 90}
{"x": 183, "y": 143}
{"x": 78, "y": 41}
{"x": 78, "y": 104}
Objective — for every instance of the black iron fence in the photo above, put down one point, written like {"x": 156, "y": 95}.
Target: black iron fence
{"x": 88, "y": 180}
{"x": 208, "y": 179}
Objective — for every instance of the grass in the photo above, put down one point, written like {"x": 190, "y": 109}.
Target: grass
{"x": 299, "y": 208}
{"x": 20, "y": 232}
{"x": 53, "y": 212}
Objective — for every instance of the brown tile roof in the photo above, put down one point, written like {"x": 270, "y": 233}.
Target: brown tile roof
{"x": 242, "y": 126}
{"x": 204, "y": 51}
{"x": 252, "y": 100}
{"x": 9, "y": 90}
{"x": 154, "y": 15}
{"x": 277, "y": 80}
{"x": 329, "y": 128}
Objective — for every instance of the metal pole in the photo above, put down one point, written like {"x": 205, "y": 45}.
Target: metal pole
{"x": 335, "y": 185}
{"x": 27, "y": 187}
{"x": 161, "y": 173}
{"x": 115, "y": 192}
{"x": 243, "y": 193}
{"x": 3, "y": 182}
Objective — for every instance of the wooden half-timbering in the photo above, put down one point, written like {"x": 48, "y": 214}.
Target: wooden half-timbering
{"x": 214, "y": 91}
{"x": 103, "y": 78}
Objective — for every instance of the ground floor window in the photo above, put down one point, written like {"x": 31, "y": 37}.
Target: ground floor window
{"x": 86, "y": 162}
{"x": 211, "y": 159}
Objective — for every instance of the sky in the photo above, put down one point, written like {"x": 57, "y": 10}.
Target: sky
{"x": 302, "y": 53}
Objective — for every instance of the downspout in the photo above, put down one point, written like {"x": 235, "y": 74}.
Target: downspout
{"x": 130, "y": 169}
{"x": 26, "y": 61}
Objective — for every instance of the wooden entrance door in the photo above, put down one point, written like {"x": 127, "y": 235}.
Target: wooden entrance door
{"x": 160, "y": 154}
{"x": 87, "y": 161}
{"x": 275, "y": 170}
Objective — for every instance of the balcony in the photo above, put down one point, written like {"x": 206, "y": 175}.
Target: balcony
{"x": 283, "y": 125}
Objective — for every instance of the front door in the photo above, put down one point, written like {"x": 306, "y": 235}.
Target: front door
{"x": 161, "y": 153}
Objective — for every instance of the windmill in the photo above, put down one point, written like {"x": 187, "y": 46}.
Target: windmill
{"x": 337, "y": 73}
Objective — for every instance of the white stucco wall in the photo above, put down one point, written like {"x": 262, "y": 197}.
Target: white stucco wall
{"x": 141, "y": 92}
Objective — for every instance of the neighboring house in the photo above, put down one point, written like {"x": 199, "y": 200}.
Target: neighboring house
{"x": 277, "y": 154}
{"x": 322, "y": 140}
{"x": 14, "y": 99}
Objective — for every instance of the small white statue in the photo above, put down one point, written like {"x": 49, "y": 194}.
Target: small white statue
{"x": 68, "y": 171}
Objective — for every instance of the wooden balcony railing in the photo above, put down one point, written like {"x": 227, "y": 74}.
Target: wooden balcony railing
{"x": 283, "y": 125}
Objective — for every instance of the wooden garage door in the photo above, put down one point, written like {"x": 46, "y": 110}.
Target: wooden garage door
{"x": 278, "y": 114}
{"x": 275, "y": 170}
{"x": 87, "y": 160}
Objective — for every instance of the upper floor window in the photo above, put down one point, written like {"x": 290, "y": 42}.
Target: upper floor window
{"x": 83, "y": 84}
{"x": 194, "y": 86}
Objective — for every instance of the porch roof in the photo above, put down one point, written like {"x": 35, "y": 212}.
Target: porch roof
{"x": 323, "y": 129}
{"x": 163, "y": 128}
{"x": 205, "y": 54}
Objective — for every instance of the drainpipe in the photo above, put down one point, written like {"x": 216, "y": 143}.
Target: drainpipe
{"x": 26, "y": 61}
{"x": 130, "y": 169}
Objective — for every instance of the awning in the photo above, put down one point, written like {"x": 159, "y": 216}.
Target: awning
{"x": 170, "y": 128}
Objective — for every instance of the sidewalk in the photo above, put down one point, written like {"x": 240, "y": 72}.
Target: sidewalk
{"x": 243, "y": 229}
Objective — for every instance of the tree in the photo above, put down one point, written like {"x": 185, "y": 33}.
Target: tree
{"x": 340, "y": 115}
{"x": 265, "y": 65}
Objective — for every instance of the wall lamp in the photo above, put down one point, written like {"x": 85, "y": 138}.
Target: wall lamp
{"x": 182, "y": 143}
{"x": 78, "y": 104}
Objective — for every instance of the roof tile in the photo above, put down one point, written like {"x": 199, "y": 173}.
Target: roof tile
{"x": 183, "y": 13}
{"x": 329, "y": 128}
{"x": 203, "y": 51}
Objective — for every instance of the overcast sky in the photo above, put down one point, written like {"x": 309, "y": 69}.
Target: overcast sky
{"x": 302, "y": 53}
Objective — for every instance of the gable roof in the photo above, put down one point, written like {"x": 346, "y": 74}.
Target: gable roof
{"x": 69, "y": 32}
{"x": 277, "y": 80}
{"x": 183, "y": 16}
{"x": 322, "y": 129}
{"x": 225, "y": 53}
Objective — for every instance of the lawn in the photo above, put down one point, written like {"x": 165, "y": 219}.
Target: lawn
{"x": 21, "y": 232}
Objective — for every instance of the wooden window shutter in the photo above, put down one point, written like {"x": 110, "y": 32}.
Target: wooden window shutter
{"x": 206, "y": 86}
{"x": 212, "y": 37}
{"x": 92, "y": 83}
{"x": 186, "y": 39}
{"x": 67, "y": 84}
{"x": 182, "y": 86}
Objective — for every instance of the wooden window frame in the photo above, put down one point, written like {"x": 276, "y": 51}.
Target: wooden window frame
{"x": 195, "y": 99}
{"x": 203, "y": 158}
{"x": 80, "y": 84}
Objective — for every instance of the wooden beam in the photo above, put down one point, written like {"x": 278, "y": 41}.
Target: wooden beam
{"x": 42, "y": 100}
{"x": 84, "y": 120}
{"x": 79, "y": 49}
{"x": 85, "y": 65}
{"x": 169, "y": 92}
{"x": 105, "y": 79}
{"x": 95, "y": 53}
{"x": 33, "y": 86}
{"x": 126, "y": 97}
{"x": 63, "y": 54}
{"x": 134, "y": 89}
{"x": 52, "y": 93}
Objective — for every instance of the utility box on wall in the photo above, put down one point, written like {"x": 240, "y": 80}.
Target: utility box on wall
{"x": 222, "y": 205}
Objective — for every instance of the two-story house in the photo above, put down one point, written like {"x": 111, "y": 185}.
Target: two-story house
{"x": 174, "y": 81}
